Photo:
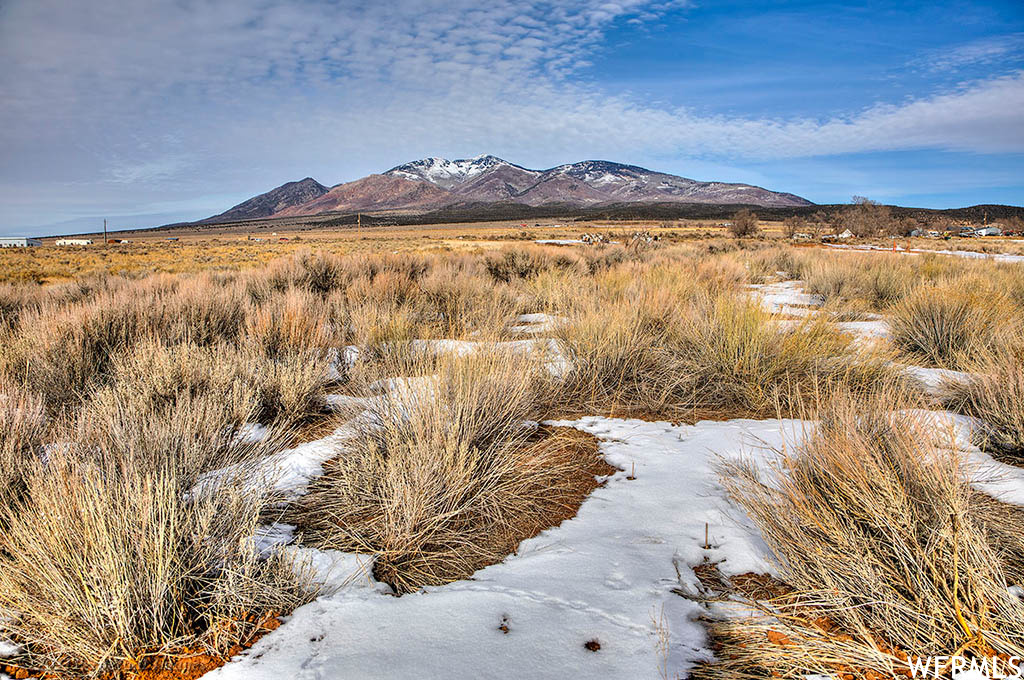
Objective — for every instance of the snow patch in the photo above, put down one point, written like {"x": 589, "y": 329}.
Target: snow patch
{"x": 607, "y": 574}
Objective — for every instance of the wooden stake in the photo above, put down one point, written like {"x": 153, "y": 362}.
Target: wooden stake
{"x": 707, "y": 541}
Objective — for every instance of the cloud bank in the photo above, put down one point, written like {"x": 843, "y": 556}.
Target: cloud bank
{"x": 154, "y": 102}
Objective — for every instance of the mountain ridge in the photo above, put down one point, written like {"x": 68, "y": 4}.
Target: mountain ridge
{"x": 272, "y": 202}
{"x": 432, "y": 183}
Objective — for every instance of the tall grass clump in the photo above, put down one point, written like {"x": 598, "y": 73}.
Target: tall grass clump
{"x": 241, "y": 384}
{"x": 443, "y": 479}
{"x": 291, "y": 321}
{"x": 831, "y": 278}
{"x": 23, "y": 426}
{"x": 945, "y": 324}
{"x": 618, "y": 360}
{"x": 135, "y": 543}
{"x": 888, "y": 547}
{"x": 513, "y": 264}
{"x": 63, "y": 352}
{"x": 106, "y": 570}
{"x": 994, "y": 393}
{"x": 736, "y": 359}
{"x": 886, "y": 280}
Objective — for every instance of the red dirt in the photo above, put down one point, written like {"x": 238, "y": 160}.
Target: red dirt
{"x": 184, "y": 664}
{"x": 762, "y": 587}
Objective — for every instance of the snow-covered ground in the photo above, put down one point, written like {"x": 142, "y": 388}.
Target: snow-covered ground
{"x": 606, "y": 575}
{"x": 789, "y": 298}
{"x": 786, "y": 297}
{"x": 972, "y": 254}
{"x": 531, "y": 324}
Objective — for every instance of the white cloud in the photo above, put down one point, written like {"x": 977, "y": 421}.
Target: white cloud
{"x": 186, "y": 95}
{"x": 982, "y": 52}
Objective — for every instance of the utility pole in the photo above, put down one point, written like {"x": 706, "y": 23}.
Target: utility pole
{"x": 359, "y": 224}
{"x": 104, "y": 233}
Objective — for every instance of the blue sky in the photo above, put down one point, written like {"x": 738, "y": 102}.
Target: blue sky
{"x": 169, "y": 110}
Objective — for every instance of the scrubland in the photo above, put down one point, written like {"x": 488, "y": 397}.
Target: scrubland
{"x": 142, "y": 417}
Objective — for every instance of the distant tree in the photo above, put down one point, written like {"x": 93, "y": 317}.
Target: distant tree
{"x": 819, "y": 221}
{"x": 905, "y": 226}
{"x": 793, "y": 225}
{"x": 868, "y": 218}
{"x": 744, "y": 223}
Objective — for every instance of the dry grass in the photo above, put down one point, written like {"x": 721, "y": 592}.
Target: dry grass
{"x": 23, "y": 426}
{"x": 944, "y": 325}
{"x": 737, "y": 360}
{"x": 994, "y": 394}
{"x": 106, "y": 569}
{"x": 887, "y": 545}
{"x": 120, "y": 552}
{"x": 447, "y": 476}
{"x": 148, "y": 382}
{"x": 685, "y": 351}
{"x": 878, "y": 280}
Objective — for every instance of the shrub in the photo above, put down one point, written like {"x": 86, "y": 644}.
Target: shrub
{"x": 178, "y": 408}
{"x": 735, "y": 359}
{"x": 831, "y": 278}
{"x": 22, "y": 428}
{"x": 442, "y": 475}
{"x": 882, "y": 537}
{"x": 290, "y": 388}
{"x": 743, "y": 224}
{"x": 886, "y": 281}
{"x": 289, "y": 322}
{"x": 63, "y": 352}
{"x": 944, "y": 324}
{"x": 994, "y": 393}
{"x": 618, "y": 361}
{"x": 136, "y": 541}
{"x": 104, "y": 570}
{"x": 523, "y": 263}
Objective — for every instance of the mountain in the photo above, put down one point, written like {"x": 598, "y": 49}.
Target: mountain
{"x": 433, "y": 183}
{"x": 274, "y": 202}
{"x": 373, "y": 192}
{"x": 488, "y": 178}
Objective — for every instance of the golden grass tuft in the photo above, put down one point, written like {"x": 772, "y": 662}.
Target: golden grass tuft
{"x": 886, "y": 544}
{"x": 448, "y": 475}
{"x": 945, "y": 324}
{"x": 994, "y": 393}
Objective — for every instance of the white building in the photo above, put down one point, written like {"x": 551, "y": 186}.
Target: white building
{"x": 73, "y": 242}
{"x": 989, "y": 231}
{"x": 18, "y": 242}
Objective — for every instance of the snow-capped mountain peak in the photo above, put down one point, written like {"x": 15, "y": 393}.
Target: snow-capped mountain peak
{"x": 431, "y": 183}
{"x": 445, "y": 173}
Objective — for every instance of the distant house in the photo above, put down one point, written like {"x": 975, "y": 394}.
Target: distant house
{"x": 73, "y": 242}
{"x": 19, "y": 242}
{"x": 845, "y": 234}
{"x": 989, "y": 231}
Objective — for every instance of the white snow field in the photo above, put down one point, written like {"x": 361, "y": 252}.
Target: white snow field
{"x": 606, "y": 575}
{"x": 970, "y": 254}
{"x": 786, "y": 297}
